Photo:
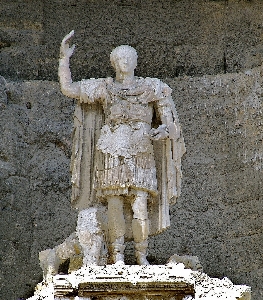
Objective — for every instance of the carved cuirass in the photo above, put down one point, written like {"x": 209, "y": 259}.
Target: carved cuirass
{"x": 128, "y": 104}
{"x": 124, "y": 141}
{"x": 128, "y": 121}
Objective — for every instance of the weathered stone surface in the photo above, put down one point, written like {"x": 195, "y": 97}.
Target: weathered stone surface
{"x": 221, "y": 206}
{"x": 172, "y": 37}
{"x": 130, "y": 282}
{"x": 116, "y": 282}
{"x": 35, "y": 183}
{"x": 190, "y": 262}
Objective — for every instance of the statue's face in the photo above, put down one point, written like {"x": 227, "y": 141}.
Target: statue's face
{"x": 125, "y": 63}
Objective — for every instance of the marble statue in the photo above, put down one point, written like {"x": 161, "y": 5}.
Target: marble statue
{"x": 126, "y": 172}
{"x": 127, "y": 150}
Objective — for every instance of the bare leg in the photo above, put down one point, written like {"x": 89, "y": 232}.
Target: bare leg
{"x": 140, "y": 227}
{"x": 116, "y": 226}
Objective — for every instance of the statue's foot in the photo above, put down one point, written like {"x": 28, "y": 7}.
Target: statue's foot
{"x": 141, "y": 259}
{"x": 116, "y": 251}
{"x": 118, "y": 259}
{"x": 119, "y": 263}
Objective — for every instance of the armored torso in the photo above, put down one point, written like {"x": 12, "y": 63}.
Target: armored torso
{"x": 128, "y": 115}
{"x": 124, "y": 140}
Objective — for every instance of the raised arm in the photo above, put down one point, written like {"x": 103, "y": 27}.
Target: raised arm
{"x": 68, "y": 88}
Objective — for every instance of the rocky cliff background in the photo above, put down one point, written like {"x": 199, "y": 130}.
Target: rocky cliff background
{"x": 209, "y": 52}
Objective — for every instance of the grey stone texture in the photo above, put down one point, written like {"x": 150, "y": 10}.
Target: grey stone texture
{"x": 189, "y": 44}
{"x": 34, "y": 177}
{"x": 173, "y": 38}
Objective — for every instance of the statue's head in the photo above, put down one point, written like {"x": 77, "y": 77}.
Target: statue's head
{"x": 124, "y": 58}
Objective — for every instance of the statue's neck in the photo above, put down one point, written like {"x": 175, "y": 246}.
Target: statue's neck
{"x": 125, "y": 78}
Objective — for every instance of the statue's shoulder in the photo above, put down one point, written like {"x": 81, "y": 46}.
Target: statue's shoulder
{"x": 96, "y": 81}
{"x": 149, "y": 82}
{"x": 94, "y": 89}
{"x": 152, "y": 80}
{"x": 161, "y": 89}
{"x": 155, "y": 82}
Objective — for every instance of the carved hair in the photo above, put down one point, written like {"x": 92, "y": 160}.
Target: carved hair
{"x": 123, "y": 50}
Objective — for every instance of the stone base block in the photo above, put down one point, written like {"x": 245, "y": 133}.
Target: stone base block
{"x": 124, "y": 283}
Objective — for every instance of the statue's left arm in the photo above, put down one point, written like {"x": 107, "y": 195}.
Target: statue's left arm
{"x": 165, "y": 109}
{"x": 173, "y": 144}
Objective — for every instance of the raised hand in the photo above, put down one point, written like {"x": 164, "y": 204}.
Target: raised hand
{"x": 65, "y": 50}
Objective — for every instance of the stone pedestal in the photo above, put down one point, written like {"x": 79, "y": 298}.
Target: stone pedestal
{"x": 125, "y": 282}
{"x": 121, "y": 282}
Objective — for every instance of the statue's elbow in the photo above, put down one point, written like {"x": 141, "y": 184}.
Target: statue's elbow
{"x": 68, "y": 91}
{"x": 65, "y": 91}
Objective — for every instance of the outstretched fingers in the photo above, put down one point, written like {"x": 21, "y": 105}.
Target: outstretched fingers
{"x": 68, "y": 37}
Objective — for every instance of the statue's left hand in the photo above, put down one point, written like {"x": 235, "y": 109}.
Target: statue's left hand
{"x": 159, "y": 133}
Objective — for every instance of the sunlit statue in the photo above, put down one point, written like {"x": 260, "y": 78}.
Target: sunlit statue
{"x": 127, "y": 150}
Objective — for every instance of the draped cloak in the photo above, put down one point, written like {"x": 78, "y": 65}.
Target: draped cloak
{"x": 91, "y": 114}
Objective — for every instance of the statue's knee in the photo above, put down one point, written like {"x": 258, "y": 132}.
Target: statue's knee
{"x": 115, "y": 204}
{"x": 139, "y": 206}
{"x": 116, "y": 221}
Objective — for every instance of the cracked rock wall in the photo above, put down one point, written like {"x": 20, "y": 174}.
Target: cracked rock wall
{"x": 188, "y": 44}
